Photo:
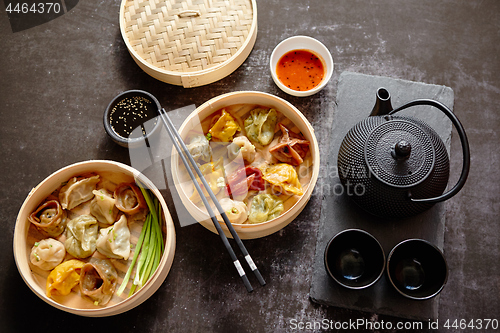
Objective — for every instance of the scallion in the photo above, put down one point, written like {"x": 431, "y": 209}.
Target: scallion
{"x": 149, "y": 248}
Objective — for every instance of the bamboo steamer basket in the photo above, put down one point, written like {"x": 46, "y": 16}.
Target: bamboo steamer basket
{"x": 74, "y": 303}
{"x": 248, "y": 231}
{"x": 189, "y": 43}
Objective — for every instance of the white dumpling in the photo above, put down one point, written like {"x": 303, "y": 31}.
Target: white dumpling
{"x": 199, "y": 147}
{"x": 47, "y": 254}
{"x": 236, "y": 211}
{"x": 103, "y": 206}
{"x": 243, "y": 145}
{"x": 77, "y": 191}
{"x": 114, "y": 241}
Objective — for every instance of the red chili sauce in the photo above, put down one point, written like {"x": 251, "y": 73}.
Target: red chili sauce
{"x": 300, "y": 70}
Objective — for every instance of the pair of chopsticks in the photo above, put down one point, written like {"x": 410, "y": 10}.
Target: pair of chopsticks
{"x": 172, "y": 132}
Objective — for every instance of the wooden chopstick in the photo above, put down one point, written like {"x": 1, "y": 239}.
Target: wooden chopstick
{"x": 172, "y": 132}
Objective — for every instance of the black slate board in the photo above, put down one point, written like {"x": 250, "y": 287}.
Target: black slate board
{"x": 355, "y": 100}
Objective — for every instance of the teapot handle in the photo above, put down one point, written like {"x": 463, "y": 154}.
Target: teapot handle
{"x": 463, "y": 139}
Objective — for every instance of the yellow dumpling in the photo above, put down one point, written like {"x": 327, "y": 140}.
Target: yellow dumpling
{"x": 284, "y": 175}
{"x": 224, "y": 128}
{"x": 64, "y": 277}
{"x": 214, "y": 175}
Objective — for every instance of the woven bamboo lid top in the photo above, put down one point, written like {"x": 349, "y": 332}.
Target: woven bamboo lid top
{"x": 186, "y": 36}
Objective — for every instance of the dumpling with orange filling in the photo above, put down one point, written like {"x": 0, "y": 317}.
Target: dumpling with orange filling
{"x": 213, "y": 173}
{"x": 223, "y": 127}
{"x": 64, "y": 277}
{"x": 284, "y": 179}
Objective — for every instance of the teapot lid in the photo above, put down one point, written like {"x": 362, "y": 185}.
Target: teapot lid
{"x": 399, "y": 153}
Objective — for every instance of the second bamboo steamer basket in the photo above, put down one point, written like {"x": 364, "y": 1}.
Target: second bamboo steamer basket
{"x": 189, "y": 43}
{"x": 258, "y": 230}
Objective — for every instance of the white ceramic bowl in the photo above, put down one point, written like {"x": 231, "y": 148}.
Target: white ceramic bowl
{"x": 302, "y": 43}
{"x": 73, "y": 303}
{"x": 248, "y": 231}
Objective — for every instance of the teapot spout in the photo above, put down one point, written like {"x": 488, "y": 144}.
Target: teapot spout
{"x": 383, "y": 103}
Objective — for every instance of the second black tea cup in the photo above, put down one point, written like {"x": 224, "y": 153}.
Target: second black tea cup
{"x": 417, "y": 269}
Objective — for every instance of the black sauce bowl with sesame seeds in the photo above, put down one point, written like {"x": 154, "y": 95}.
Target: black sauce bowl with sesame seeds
{"x": 131, "y": 117}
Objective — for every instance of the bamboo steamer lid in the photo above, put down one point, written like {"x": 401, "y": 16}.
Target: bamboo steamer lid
{"x": 189, "y": 42}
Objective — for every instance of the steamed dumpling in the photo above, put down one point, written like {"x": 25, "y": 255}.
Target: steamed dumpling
{"x": 243, "y": 145}
{"x": 98, "y": 280}
{"x": 265, "y": 207}
{"x": 129, "y": 198}
{"x": 49, "y": 218}
{"x": 47, "y": 254}
{"x": 64, "y": 277}
{"x": 81, "y": 236}
{"x": 244, "y": 179}
{"x": 284, "y": 178}
{"x": 77, "y": 191}
{"x": 114, "y": 241}
{"x": 236, "y": 211}
{"x": 102, "y": 207}
{"x": 291, "y": 147}
{"x": 260, "y": 125}
{"x": 199, "y": 148}
{"x": 213, "y": 173}
{"x": 224, "y": 127}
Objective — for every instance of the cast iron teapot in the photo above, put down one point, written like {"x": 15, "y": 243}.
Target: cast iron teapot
{"x": 397, "y": 166}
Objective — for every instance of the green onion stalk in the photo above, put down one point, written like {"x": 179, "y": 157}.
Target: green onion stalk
{"x": 149, "y": 247}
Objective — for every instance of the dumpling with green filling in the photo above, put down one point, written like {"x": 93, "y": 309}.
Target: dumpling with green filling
{"x": 81, "y": 236}
{"x": 260, "y": 124}
{"x": 265, "y": 207}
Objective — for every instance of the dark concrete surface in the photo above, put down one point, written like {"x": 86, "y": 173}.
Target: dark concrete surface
{"x": 57, "y": 78}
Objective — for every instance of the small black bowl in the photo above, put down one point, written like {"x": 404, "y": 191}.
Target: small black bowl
{"x": 417, "y": 269}
{"x": 354, "y": 259}
{"x": 131, "y": 116}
